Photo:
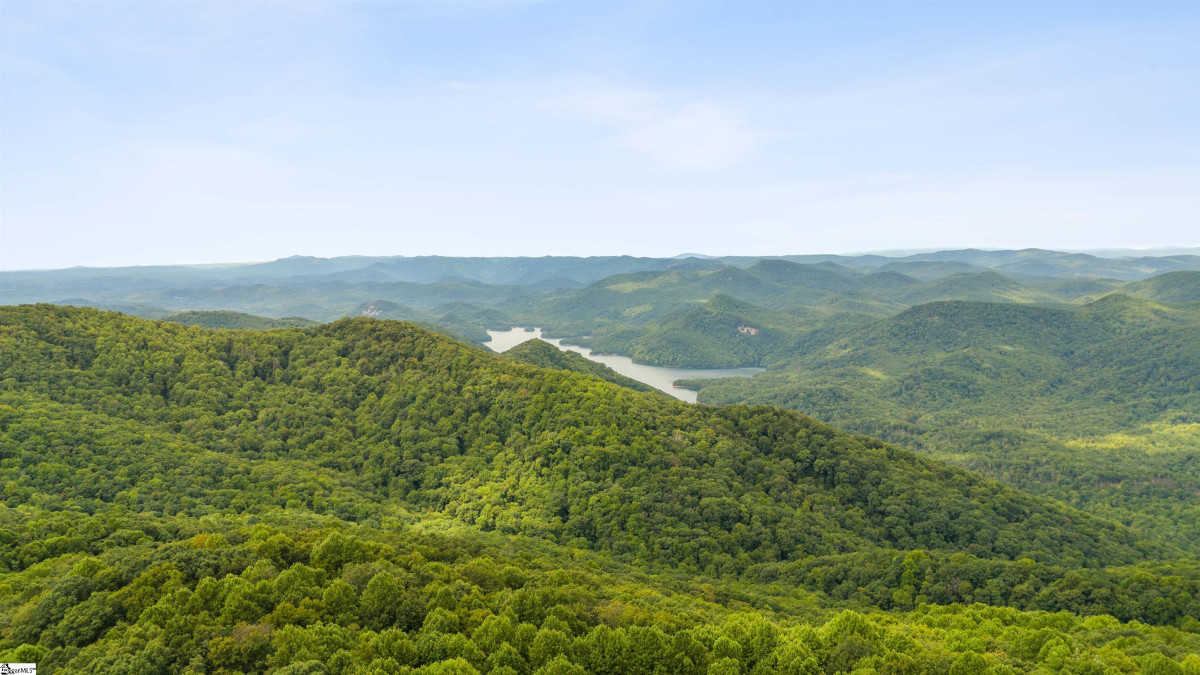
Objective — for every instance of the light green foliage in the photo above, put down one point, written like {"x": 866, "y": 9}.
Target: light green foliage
{"x": 366, "y": 496}
{"x": 1096, "y": 405}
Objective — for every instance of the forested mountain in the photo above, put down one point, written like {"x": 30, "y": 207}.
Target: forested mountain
{"x": 633, "y": 314}
{"x": 787, "y": 314}
{"x": 97, "y": 284}
{"x": 236, "y": 320}
{"x": 653, "y": 298}
{"x": 442, "y": 320}
{"x": 366, "y": 496}
{"x": 1171, "y": 287}
{"x": 725, "y": 332}
{"x": 322, "y": 301}
{"x": 1042, "y": 263}
{"x": 1098, "y": 404}
{"x": 474, "y": 417}
{"x": 330, "y": 288}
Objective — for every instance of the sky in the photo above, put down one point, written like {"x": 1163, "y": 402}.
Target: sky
{"x": 187, "y": 132}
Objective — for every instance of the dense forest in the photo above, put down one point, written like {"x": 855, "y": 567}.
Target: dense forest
{"x": 236, "y": 320}
{"x": 1097, "y": 405}
{"x": 370, "y": 497}
{"x": 630, "y": 311}
{"x": 725, "y": 332}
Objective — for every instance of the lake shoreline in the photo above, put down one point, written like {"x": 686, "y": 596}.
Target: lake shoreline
{"x": 566, "y": 341}
{"x": 663, "y": 378}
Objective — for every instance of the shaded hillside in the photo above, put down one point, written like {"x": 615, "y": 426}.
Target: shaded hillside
{"x": 1074, "y": 290}
{"x": 545, "y": 355}
{"x": 439, "y": 320}
{"x": 146, "y": 311}
{"x": 321, "y": 300}
{"x": 927, "y": 270}
{"x": 236, "y": 320}
{"x": 417, "y": 269}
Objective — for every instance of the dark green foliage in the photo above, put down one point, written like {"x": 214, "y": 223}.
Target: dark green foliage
{"x": 236, "y": 320}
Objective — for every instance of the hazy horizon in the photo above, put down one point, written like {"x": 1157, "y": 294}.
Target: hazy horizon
{"x": 1155, "y": 251}
{"x": 169, "y": 133}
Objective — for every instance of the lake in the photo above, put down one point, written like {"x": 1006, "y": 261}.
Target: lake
{"x": 658, "y": 377}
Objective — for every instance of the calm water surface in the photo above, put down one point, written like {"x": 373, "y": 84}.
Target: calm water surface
{"x": 655, "y": 376}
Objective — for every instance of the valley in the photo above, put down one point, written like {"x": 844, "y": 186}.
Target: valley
{"x": 599, "y": 338}
{"x": 428, "y": 486}
{"x": 372, "y": 491}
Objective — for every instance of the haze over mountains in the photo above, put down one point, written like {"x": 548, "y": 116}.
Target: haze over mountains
{"x": 738, "y": 414}
{"x": 327, "y": 288}
{"x": 254, "y": 482}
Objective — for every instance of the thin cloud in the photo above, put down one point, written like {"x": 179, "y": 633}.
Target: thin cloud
{"x": 698, "y": 135}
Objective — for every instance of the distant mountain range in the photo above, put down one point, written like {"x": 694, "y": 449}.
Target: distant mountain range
{"x": 224, "y": 492}
{"x": 432, "y": 286}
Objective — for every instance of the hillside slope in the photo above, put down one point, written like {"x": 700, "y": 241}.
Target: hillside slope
{"x": 1170, "y": 287}
{"x": 1008, "y": 389}
{"x": 236, "y": 320}
{"x": 631, "y": 300}
{"x": 593, "y": 463}
{"x": 726, "y": 332}
{"x": 721, "y": 333}
{"x": 366, "y": 496}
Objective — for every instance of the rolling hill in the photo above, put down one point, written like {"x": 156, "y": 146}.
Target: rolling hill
{"x": 725, "y": 332}
{"x": 1170, "y": 287}
{"x": 1016, "y": 391}
{"x": 236, "y": 320}
{"x": 382, "y": 368}
{"x": 367, "y": 496}
{"x": 569, "y": 289}
{"x": 646, "y": 298}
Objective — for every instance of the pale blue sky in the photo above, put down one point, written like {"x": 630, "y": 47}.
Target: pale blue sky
{"x": 135, "y": 133}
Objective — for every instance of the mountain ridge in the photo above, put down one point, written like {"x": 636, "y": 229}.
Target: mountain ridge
{"x": 367, "y": 496}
